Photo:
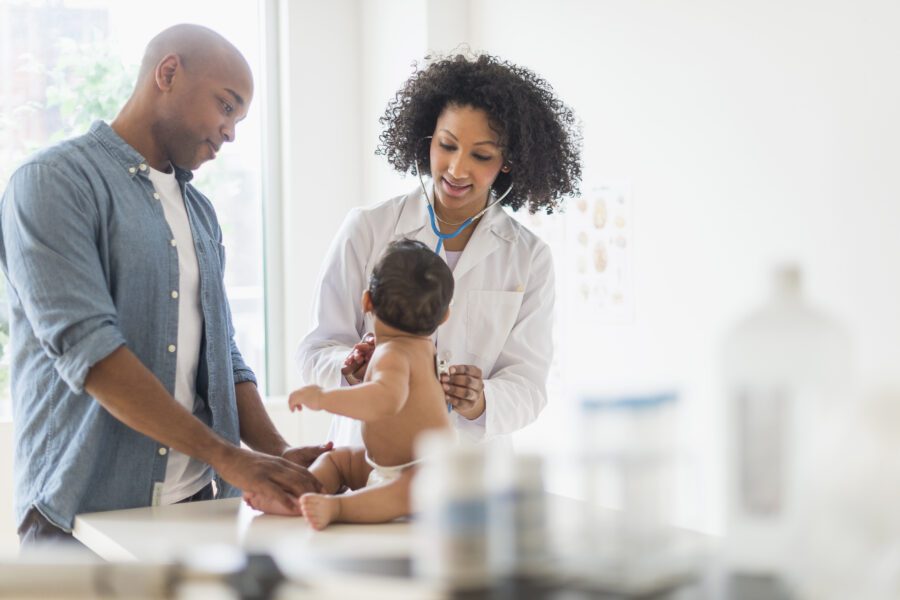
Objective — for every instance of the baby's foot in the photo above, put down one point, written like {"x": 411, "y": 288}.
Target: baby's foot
{"x": 271, "y": 506}
{"x": 320, "y": 510}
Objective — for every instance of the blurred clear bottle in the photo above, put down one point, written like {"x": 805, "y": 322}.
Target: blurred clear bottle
{"x": 783, "y": 365}
{"x": 629, "y": 461}
{"x": 517, "y": 517}
{"x": 450, "y": 506}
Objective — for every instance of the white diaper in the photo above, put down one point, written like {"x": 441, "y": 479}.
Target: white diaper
{"x": 380, "y": 474}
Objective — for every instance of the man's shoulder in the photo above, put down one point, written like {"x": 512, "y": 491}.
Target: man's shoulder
{"x": 64, "y": 154}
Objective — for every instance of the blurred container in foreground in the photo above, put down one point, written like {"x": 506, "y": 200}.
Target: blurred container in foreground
{"x": 848, "y": 544}
{"x": 629, "y": 470}
{"x": 783, "y": 365}
{"x": 450, "y": 505}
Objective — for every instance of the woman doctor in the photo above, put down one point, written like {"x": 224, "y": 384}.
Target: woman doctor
{"x": 489, "y": 134}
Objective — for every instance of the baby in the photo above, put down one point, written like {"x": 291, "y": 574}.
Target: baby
{"x": 400, "y": 397}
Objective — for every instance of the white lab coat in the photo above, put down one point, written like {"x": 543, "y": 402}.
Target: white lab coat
{"x": 501, "y": 316}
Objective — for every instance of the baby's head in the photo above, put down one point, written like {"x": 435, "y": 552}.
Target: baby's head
{"x": 410, "y": 288}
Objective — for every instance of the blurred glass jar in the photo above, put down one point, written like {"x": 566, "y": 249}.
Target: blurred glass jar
{"x": 629, "y": 475}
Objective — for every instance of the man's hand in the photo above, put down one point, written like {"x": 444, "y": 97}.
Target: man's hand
{"x": 267, "y": 476}
{"x": 306, "y": 455}
{"x": 354, "y": 368}
{"x": 464, "y": 390}
{"x": 309, "y": 396}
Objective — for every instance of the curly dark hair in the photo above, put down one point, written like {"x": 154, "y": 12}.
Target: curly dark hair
{"x": 539, "y": 135}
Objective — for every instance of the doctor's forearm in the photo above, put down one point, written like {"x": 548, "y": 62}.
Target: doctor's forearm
{"x": 511, "y": 403}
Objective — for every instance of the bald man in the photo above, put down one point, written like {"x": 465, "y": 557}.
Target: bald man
{"x": 128, "y": 388}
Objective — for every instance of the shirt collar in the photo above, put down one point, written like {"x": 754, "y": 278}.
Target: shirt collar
{"x": 129, "y": 158}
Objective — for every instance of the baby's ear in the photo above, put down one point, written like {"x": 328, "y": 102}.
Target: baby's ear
{"x": 446, "y": 316}
{"x": 367, "y": 302}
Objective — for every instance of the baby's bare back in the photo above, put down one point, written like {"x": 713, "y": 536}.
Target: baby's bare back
{"x": 389, "y": 441}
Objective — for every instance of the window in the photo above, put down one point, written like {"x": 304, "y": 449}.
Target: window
{"x": 66, "y": 63}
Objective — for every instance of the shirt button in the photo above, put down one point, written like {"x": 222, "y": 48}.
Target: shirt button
{"x": 174, "y": 294}
{"x": 172, "y": 241}
{"x": 131, "y": 170}
{"x": 156, "y": 196}
{"x": 143, "y": 167}
{"x": 163, "y": 451}
{"x": 171, "y": 347}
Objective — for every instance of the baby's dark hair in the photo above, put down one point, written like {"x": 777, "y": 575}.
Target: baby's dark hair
{"x": 539, "y": 135}
{"x": 411, "y": 287}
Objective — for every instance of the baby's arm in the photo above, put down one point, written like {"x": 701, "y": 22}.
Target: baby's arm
{"x": 383, "y": 395}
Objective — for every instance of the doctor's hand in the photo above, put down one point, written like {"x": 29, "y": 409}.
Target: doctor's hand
{"x": 354, "y": 367}
{"x": 464, "y": 390}
{"x": 309, "y": 396}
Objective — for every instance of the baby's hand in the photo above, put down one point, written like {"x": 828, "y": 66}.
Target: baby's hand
{"x": 309, "y": 396}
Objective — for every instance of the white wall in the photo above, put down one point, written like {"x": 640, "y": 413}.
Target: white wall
{"x": 321, "y": 112}
{"x": 750, "y": 132}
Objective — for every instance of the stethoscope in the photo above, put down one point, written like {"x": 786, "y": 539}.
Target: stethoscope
{"x": 441, "y": 365}
{"x": 434, "y": 218}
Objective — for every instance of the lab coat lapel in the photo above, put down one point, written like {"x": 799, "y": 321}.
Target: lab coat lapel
{"x": 493, "y": 230}
{"x": 414, "y": 222}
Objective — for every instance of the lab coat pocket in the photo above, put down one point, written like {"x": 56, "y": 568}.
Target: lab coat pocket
{"x": 490, "y": 316}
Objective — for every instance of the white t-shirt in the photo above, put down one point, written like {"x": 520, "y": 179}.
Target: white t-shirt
{"x": 453, "y": 257}
{"x": 185, "y": 476}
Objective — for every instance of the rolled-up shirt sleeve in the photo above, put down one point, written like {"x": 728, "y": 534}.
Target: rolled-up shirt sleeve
{"x": 53, "y": 266}
{"x": 242, "y": 372}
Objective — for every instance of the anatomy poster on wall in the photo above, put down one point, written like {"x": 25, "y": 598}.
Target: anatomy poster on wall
{"x": 592, "y": 246}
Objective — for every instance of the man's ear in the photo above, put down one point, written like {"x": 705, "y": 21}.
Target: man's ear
{"x": 165, "y": 71}
{"x": 366, "y": 302}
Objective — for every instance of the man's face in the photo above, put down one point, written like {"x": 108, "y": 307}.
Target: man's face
{"x": 204, "y": 111}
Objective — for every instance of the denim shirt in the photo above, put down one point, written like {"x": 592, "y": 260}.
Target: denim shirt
{"x": 91, "y": 265}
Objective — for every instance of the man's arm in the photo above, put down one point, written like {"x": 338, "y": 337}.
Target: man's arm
{"x": 382, "y": 396}
{"x": 134, "y": 396}
{"x": 257, "y": 429}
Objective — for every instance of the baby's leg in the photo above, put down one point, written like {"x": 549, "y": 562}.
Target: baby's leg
{"x": 338, "y": 468}
{"x": 378, "y": 504}
{"x": 332, "y": 469}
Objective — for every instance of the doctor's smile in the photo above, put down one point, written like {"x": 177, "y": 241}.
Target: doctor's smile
{"x": 456, "y": 190}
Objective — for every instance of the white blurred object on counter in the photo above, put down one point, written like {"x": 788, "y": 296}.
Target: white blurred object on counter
{"x": 449, "y": 501}
{"x": 629, "y": 458}
{"x": 518, "y": 537}
{"x": 784, "y": 364}
{"x": 848, "y": 544}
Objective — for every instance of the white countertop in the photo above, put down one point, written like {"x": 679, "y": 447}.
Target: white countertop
{"x": 166, "y": 534}
{"x": 161, "y": 532}
{"x": 350, "y": 560}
